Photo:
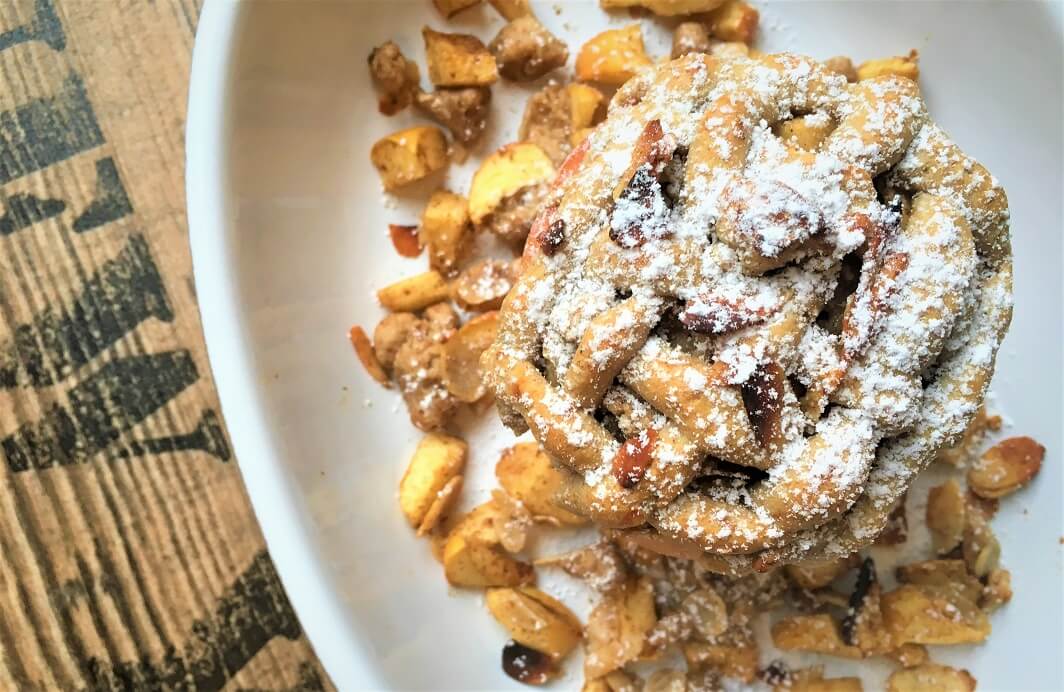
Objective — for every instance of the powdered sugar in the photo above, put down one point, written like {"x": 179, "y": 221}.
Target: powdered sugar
{"x": 746, "y": 251}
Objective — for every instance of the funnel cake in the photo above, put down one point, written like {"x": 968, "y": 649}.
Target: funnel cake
{"x": 742, "y": 351}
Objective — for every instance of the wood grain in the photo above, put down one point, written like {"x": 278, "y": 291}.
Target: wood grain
{"x": 129, "y": 555}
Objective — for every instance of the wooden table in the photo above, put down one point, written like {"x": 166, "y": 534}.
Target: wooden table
{"x": 129, "y": 555}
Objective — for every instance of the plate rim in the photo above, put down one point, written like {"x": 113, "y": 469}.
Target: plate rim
{"x": 289, "y": 539}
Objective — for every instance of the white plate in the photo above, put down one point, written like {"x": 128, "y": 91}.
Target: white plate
{"x": 288, "y": 238}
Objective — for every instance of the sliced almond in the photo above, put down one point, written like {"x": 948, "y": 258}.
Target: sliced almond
{"x": 462, "y": 373}
{"x": 819, "y": 573}
{"x": 512, "y": 522}
{"x": 896, "y": 530}
{"x": 763, "y": 395}
{"x": 437, "y": 460}
{"x": 633, "y": 458}
{"x": 527, "y": 473}
{"x": 987, "y": 559}
{"x": 812, "y": 633}
{"x": 666, "y": 680}
{"x": 616, "y": 681}
{"x": 707, "y": 611}
{"x": 364, "y": 351}
{"x": 927, "y": 615}
{"x": 997, "y": 591}
{"x": 670, "y": 629}
{"x": 909, "y": 655}
{"x": 946, "y": 516}
{"x": 931, "y": 676}
{"x": 472, "y": 556}
{"x": 618, "y": 626}
{"x": 730, "y": 660}
{"x": 951, "y": 575}
{"x": 535, "y": 619}
{"x": 439, "y": 508}
{"x": 980, "y": 547}
{"x": 1006, "y": 467}
{"x": 483, "y": 285}
{"x": 812, "y": 680}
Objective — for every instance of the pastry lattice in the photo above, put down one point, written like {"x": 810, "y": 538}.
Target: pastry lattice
{"x": 742, "y": 350}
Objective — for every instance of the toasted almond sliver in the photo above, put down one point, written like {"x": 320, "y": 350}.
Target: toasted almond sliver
{"x": 931, "y": 676}
{"x": 482, "y": 285}
{"x": 813, "y": 633}
{"x": 951, "y": 575}
{"x": 436, "y": 461}
{"x": 671, "y": 629}
{"x": 617, "y": 627}
{"x": 909, "y": 655}
{"x": 666, "y": 680}
{"x": 931, "y": 615}
{"x": 980, "y": 547}
{"x": 1006, "y": 467}
{"x": 364, "y": 350}
{"x": 946, "y": 516}
{"x": 437, "y": 542}
{"x": 707, "y": 611}
{"x": 527, "y": 473}
{"x": 816, "y": 575}
{"x": 443, "y": 503}
{"x": 472, "y": 556}
{"x": 733, "y": 661}
{"x": 535, "y": 619}
{"x": 462, "y": 357}
{"x": 997, "y": 591}
{"x": 512, "y": 521}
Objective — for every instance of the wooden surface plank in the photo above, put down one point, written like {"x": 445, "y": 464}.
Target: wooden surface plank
{"x": 129, "y": 554}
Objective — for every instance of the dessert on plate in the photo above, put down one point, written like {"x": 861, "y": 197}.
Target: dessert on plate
{"x": 744, "y": 349}
{"x": 741, "y": 301}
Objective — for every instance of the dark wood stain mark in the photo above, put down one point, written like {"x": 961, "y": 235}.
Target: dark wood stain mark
{"x": 249, "y": 614}
{"x": 208, "y": 437}
{"x": 111, "y": 202}
{"x": 47, "y": 130}
{"x": 103, "y": 406}
{"x": 124, "y": 292}
{"x": 24, "y": 210}
{"x": 44, "y": 27}
{"x": 309, "y": 680}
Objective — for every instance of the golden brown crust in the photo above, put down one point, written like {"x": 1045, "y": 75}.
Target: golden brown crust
{"x": 683, "y": 248}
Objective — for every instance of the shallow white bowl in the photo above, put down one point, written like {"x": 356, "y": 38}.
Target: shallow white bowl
{"x": 288, "y": 239}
